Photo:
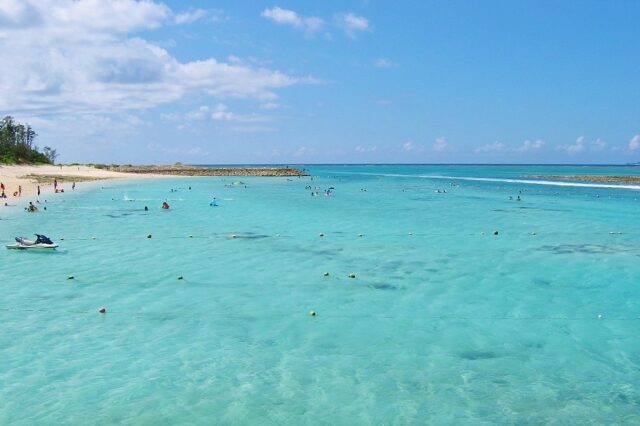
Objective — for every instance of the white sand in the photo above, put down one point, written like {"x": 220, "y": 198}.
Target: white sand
{"x": 15, "y": 176}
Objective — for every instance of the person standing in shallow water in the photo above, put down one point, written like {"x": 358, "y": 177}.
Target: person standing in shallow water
{"x": 73, "y": 186}
{"x": 55, "y": 184}
{"x": 38, "y": 190}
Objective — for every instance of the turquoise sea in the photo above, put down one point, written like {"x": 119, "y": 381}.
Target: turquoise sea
{"x": 444, "y": 322}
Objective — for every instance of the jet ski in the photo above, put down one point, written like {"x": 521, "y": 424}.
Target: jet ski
{"x": 41, "y": 242}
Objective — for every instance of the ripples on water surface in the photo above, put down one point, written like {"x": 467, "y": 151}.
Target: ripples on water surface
{"x": 445, "y": 323}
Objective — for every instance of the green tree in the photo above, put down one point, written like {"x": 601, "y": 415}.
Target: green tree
{"x": 17, "y": 144}
{"x": 51, "y": 154}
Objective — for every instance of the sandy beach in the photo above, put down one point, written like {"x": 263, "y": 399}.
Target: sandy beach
{"x": 21, "y": 182}
{"x": 29, "y": 177}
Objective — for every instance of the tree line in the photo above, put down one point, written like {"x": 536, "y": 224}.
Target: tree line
{"x": 17, "y": 144}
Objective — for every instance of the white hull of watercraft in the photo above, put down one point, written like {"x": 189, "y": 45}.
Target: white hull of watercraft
{"x": 41, "y": 243}
{"x": 18, "y": 246}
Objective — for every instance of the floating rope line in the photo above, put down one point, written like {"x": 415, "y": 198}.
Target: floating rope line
{"x": 339, "y": 235}
{"x": 173, "y": 315}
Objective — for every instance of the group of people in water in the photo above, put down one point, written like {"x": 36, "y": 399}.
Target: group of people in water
{"x": 212, "y": 203}
{"x": 31, "y": 207}
{"x": 315, "y": 191}
{"x": 165, "y": 204}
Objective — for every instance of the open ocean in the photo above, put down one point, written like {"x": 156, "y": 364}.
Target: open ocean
{"x": 444, "y": 322}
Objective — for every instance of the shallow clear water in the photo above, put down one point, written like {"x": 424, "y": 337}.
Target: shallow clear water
{"x": 445, "y": 323}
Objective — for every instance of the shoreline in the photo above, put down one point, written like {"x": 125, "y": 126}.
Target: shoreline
{"x": 29, "y": 176}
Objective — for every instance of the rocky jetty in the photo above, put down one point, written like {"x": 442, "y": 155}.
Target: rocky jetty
{"x": 591, "y": 178}
{"x": 181, "y": 170}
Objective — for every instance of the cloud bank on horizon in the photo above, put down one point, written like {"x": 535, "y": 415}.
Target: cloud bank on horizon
{"x": 151, "y": 81}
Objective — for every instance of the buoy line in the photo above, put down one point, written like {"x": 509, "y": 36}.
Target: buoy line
{"x": 598, "y": 317}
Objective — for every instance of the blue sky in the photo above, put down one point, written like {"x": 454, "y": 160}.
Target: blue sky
{"x": 325, "y": 82}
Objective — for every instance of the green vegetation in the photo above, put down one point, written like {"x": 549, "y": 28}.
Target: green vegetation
{"x": 17, "y": 147}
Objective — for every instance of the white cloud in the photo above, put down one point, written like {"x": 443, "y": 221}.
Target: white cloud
{"x": 199, "y": 114}
{"x": 120, "y": 16}
{"x": 440, "y": 144}
{"x": 412, "y": 147}
{"x": 634, "y": 143}
{"x": 190, "y": 16}
{"x": 352, "y": 24}
{"x": 492, "y": 147}
{"x": 217, "y": 15}
{"x": 383, "y": 63}
{"x": 82, "y": 58}
{"x": 363, "y": 149}
{"x": 408, "y": 146}
{"x": 270, "y": 105}
{"x": 349, "y": 23}
{"x": 530, "y": 146}
{"x": 221, "y": 113}
{"x": 289, "y": 17}
{"x": 134, "y": 120}
{"x": 575, "y": 148}
{"x": 599, "y": 145}
{"x": 176, "y": 151}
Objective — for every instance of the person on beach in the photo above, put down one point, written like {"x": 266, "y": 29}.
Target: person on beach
{"x": 38, "y": 190}
{"x": 55, "y": 184}
{"x": 19, "y": 190}
{"x": 2, "y": 186}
